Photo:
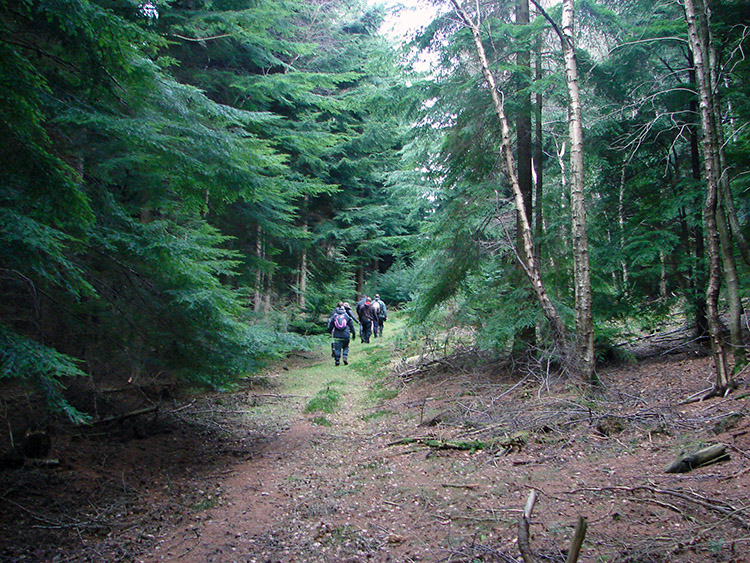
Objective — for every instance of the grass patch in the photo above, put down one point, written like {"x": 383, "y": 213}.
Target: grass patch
{"x": 326, "y": 400}
{"x": 321, "y": 421}
{"x": 374, "y": 362}
{"x": 381, "y": 392}
{"x": 376, "y": 415}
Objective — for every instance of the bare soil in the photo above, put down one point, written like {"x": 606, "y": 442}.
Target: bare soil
{"x": 249, "y": 476}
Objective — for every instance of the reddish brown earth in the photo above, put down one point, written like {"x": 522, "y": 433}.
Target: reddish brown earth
{"x": 206, "y": 481}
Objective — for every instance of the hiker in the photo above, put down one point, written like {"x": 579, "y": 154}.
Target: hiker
{"x": 382, "y": 315}
{"x": 361, "y": 303}
{"x": 348, "y": 309}
{"x": 375, "y": 313}
{"x": 333, "y": 342}
{"x": 341, "y": 327}
{"x": 366, "y": 320}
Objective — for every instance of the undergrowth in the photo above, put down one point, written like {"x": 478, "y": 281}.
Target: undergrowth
{"x": 326, "y": 400}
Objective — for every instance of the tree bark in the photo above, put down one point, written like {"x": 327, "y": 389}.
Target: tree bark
{"x": 538, "y": 159}
{"x": 621, "y": 232}
{"x": 257, "y": 293}
{"x": 725, "y": 192}
{"x": 725, "y": 210}
{"x": 710, "y": 208}
{"x": 526, "y": 336}
{"x": 559, "y": 331}
{"x": 523, "y": 122}
{"x": 303, "y": 273}
{"x": 687, "y": 462}
{"x": 581, "y": 267}
{"x": 699, "y": 280}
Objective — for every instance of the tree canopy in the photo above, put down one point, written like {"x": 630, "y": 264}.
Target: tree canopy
{"x": 189, "y": 186}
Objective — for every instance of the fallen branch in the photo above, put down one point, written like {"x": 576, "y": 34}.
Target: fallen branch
{"x": 472, "y": 445}
{"x": 131, "y": 414}
{"x": 723, "y": 508}
{"x": 578, "y": 537}
{"x": 686, "y": 462}
{"x": 459, "y": 486}
{"x": 524, "y": 545}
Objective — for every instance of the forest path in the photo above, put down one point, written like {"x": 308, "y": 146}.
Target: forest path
{"x": 337, "y": 487}
{"x": 329, "y": 486}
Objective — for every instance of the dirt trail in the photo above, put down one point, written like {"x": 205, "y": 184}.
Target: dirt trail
{"x": 346, "y": 493}
{"x": 317, "y": 492}
{"x": 249, "y": 476}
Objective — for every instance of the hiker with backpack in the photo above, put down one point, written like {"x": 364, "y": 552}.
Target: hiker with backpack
{"x": 375, "y": 312}
{"x": 366, "y": 320}
{"x": 381, "y": 316}
{"x": 341, "y": 327}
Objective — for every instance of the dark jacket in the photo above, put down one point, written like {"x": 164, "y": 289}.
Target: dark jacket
{"x": 350, "y": 314}
{"x": 360, "y": 304}
{"x": 345, "y": 332}
{"x": 367, "y": 314}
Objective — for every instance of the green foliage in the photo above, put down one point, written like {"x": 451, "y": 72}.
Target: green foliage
{"x": 326, "y": 400}
{"x": 41, "y": 366}
{"x": 398, "y": 285}
{"x": 161, "y": 171}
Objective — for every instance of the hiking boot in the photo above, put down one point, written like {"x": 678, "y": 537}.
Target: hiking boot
{"x": 337, "y": 362}
{"x": 346, "y": 362}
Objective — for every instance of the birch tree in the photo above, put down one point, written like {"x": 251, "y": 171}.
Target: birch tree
{"x": 559, "y": 330}
{"x": 711, "y": 207}
{"x": 581, "y": 267}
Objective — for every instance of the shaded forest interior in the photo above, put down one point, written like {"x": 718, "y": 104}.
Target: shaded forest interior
{"x": 190, "y": 187}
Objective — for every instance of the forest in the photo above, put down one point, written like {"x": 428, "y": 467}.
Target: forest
{"x": 190, "y": 186}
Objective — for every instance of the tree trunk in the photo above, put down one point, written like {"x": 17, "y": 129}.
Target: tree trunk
{"x": 559, "y": 331}
{"x": 621, "y": 232}
{"x": 710, "y": 208}
{"x": 538, "y": 159}
{"x": 359, "y": 283}
{"x": 733, "y": 290}
{"x": 581, "y": 268}
{"x": 699, "y": 280}
{"x": 303, "y": 273}
{"x": 725, "y": 211}
{"x": 257, "y": 294}
{"x": 725, "y": 192}
{"x": 526, "y": 336}
{"x": 523, "y": 122}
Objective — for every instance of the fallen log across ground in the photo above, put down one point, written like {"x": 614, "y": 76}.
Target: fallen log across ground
{"x": 687, "y": 461}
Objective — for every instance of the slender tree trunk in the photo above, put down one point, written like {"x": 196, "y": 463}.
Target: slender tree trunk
{"x": 581, "y": 267}
{"x": 718, "y": 345}
{"x": 733, "y": 290}
{"x": 725, "y": 210}
{"x": 526, "y": 336}
{"x": 558, "y": 327}
{"x": 359, "y": 282}
{"x": 303, "y": 273}
{"x": 699, "y": 278}
{"x": 257, "y": 293}
{"x": 621, "y": 232}
{"x": 303, "y": 262}
{"x": 538, "y": 159}
{"x": 725, "y": 193}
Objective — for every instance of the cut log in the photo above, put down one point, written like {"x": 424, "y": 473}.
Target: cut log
{"x": 688, "y": 461}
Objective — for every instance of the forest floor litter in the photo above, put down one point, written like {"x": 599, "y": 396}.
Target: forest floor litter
{"x": 435, "y": 465}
